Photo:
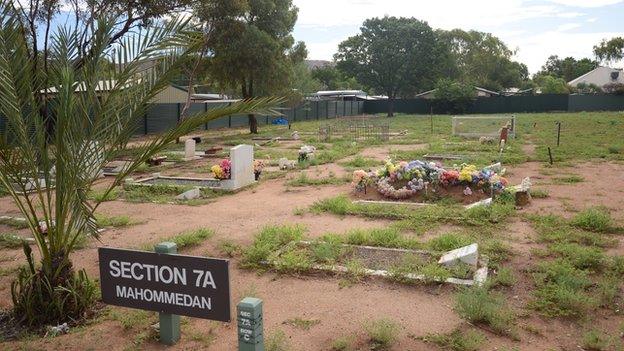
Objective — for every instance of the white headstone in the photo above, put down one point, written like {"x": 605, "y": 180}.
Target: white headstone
{"x": 189, "y": 149}
{"x": 467, "y": 254}
{"x": 242, "y": 171}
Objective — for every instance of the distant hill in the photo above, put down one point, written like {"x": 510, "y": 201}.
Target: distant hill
{"x": 314, "y": 64}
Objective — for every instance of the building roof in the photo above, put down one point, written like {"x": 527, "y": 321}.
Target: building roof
{"x": 476, "y": 88}
{"x": 600, "y": 76}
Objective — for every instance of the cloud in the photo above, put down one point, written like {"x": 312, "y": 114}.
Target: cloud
{"x": 586, "y": 3}
{"x": 440, "y": 13}
{"x": 568, "y": 26}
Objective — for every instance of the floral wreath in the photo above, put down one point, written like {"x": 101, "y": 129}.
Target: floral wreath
{"x": 405, "y": 179}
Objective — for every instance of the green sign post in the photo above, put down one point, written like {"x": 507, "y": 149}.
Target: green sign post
{"x": 249, "y": 317}
{"x": 169, "y": 324}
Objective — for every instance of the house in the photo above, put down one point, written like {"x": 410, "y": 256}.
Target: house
{"x": 348, "y": 95}
{"x": 171, "y": 94}
{"x": 600, "y": 77}
{"x": 479, "y": 92}
{"x": 516, "y": 92}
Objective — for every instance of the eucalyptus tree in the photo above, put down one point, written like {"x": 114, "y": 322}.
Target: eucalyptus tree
{"x": 92, "y": 101}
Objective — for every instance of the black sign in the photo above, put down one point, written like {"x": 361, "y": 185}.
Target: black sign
{"x": 183, "y": 285}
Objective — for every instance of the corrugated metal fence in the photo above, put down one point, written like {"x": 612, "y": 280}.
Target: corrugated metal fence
{"x": 509, "y": 104}
{"x": 162, "y": 117}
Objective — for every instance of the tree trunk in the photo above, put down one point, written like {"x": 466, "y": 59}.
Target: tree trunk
{"x": 248, "y": 94}
{"x": 253, "y": 124}
{"x": 391, "y": 106}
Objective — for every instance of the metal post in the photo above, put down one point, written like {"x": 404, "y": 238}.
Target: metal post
{"x": 250, "y": 328}
{"x": 206, "y": 110}
{"x": 230, "y": 117}
{"x": 169, "y": 324}
{"x": 558, "y": 132}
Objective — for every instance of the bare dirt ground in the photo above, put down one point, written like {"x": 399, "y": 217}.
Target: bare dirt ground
{"x": 340, "y": 310}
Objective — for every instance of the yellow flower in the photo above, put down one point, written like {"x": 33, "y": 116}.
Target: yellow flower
{"x": 217, "y": 171}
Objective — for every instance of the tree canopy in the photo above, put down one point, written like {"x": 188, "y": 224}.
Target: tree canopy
{"x": 551, "y": 85}
{"x": 331, "y": 78}
{"x": 568, "y": 68}
{"x": 482, "y": 59}
{"x": 251, "y": 45}
{"x": 610, "y": 50}
{"x": 393, "y": 56}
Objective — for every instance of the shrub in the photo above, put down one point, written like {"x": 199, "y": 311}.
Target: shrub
{"x": 327, "y": 251}
{"x": 594, "y": 219}
{"x": 457, "y": 340}
{"x": 478, "y": 305}
{"x": 383, "y": 333}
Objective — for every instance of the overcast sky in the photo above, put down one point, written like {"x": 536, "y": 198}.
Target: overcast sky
{"x": 536, "y": 28}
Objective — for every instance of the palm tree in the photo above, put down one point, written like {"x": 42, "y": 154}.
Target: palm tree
{"x": 60, "y": 131}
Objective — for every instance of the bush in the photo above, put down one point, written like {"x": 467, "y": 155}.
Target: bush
{"x": 383, "y": 333}
{"x": 453, "y": 97}
{"x": 595, "y": 219}
{"x": 38, "y": 302}
{"x": 478, "y": 305}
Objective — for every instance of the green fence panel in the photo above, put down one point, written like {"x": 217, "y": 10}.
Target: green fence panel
{"x": 596, "y": 103}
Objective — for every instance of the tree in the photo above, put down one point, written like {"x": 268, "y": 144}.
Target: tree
{"x": 89, "y": 130}
{"x": 568, "y": 68}
{"x": 453, "y": 97}
{"x": 394, "y": 56}
{"x": 482, "y": 59}
{"x": 331, "y": 78}
{"x": 585, "y": 88}
{"x": 610, "y": 50}
{"x": 552, "y": 85}
{"x": 251, "y": 45}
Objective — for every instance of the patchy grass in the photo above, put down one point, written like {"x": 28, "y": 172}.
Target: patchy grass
{"x": 384, "y": 237}
{"x": 457, "y": 340}
{"x": 595, "y": 219}
{"x": 343, "y": 343}
{"x": 360, "y": 162}
{"x": 555, "y": 229}
{"x": 382, "y": 333}
{"x": 186, "y": 239}
{"x": 448, "y": 241}
{"x": 100, "y": 195}
{"x": 159, "y": 193}
{"x": 562, "y": 290}
{"x": 503, "y": 277}
{"x": 539, "y": 193}
{"x": 303, "y": 180}
{"x": 277, "y": 341}
{"x": 115, "y": 221}
{"x": 596, "y": 340}
{"x": 300, "y": 323}
{"x": 15, "y": 223}
{"x": 11, "y": 241}
{"x": 480, "y": 306}
{"x": 229, "y": 248}
{"x": 267, "y": 241}
{"x": 417, "y": 219}
{"x": 581, "y": 257}
{"x": 571, "y": 179}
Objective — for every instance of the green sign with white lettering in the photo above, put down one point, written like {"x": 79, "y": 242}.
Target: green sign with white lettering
{"x": 249, "y": 318}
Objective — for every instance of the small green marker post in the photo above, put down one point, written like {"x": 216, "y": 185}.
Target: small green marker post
{"x": 249, "y": 317}
{"x": 169, "y": 324}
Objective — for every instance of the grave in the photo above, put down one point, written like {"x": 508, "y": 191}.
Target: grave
{"x": 378, "y": 261}
{"x": 242, "y": 174}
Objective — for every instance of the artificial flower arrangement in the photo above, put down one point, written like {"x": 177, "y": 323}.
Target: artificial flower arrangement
{"x": 222, "y": 170}
{"x": 405, "y": 179}
{"x": 258, "y": 167}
